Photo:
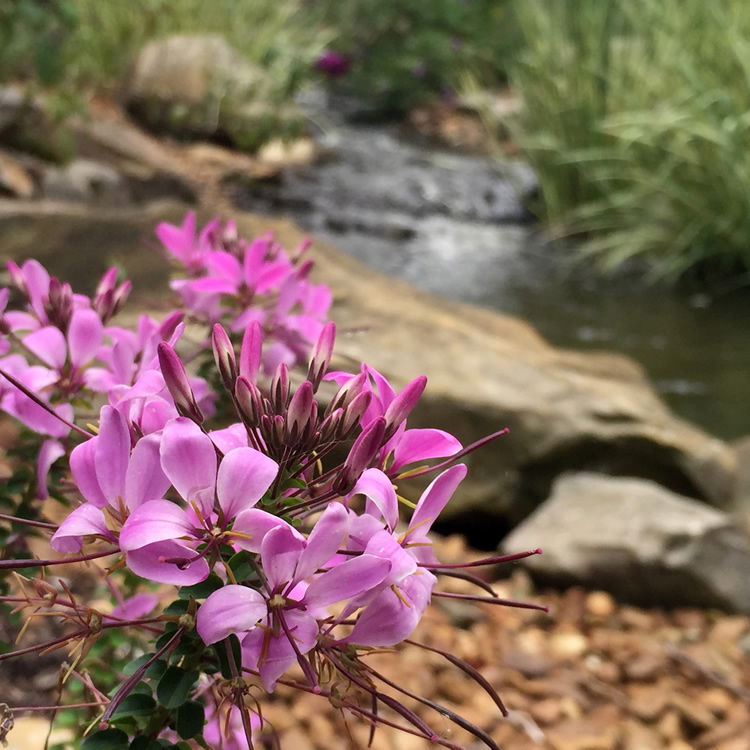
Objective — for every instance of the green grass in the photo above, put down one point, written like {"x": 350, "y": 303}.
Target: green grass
{"x": 637, "y": 122}
{"x": 276, "y": 34}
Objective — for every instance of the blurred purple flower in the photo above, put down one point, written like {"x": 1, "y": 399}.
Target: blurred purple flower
{"x": 333, "y": 64}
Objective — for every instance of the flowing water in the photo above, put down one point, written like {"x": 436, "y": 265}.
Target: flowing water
{"x": 455, "y": 225}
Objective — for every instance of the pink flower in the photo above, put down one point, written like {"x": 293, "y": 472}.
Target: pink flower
{"x": 110, "y": 476}
{"x": 188, "y": 459}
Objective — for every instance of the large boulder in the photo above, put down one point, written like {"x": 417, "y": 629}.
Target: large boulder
{"x": 198, "y": 85}
{"x": 567, "y": 411}
{"x": 639, "y": 541}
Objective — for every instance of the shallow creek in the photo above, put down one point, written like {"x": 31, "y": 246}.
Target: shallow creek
{"x": 455, "y": 225}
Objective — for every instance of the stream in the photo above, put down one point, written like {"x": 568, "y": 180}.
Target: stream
{"x": 455, "y": 225}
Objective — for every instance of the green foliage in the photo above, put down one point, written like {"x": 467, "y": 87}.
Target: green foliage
{"x": 405, "y": 51}
{"x": 271, "y": 33}
{"x": 32, "y": 36}
{"x": 636, "y": 122}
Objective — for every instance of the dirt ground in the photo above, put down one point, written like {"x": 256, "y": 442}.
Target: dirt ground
{"x": 590, "y": 675}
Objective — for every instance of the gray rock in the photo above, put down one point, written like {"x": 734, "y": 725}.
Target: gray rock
{"x": 85, "y": 181}
{"x": 198, "y": 85}
{"x": 639, "y": 541}
{"x": 12, "y": 99}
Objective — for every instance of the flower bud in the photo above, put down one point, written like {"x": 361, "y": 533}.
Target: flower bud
{"x": 59, "y": 304}
{"x": 348, "y": 392}
{"x": 250, "y": 352}
{"x": 322, "y": 353}
{"x": 403, "y": 403}
{"x": 248, "y": 399}
{"x": 224, "y": 357}
{"x": 280, "y": 388}
{"x": 299, "y": 412}
{"x": 176, "y": 381}
{"x": 353, "y": 413}
{"x": 361, "y": 455}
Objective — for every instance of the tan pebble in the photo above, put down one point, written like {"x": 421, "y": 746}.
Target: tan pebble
{"x": 717, "y": 700}
{"x": 648, "y": 701}
{"x": 693, "y": 713}
{"x": 600, "y": 604}
{"x": 297, "y": 739}
{"x": 636, "y": 736}
{"x": 568, "y": 645}
{"x": 679, "y": 745}
{"x": 669, "y": 726}
{"x": 546, "y": 711}
{"x": 736, "y": 743}
{"x": 570, "y": 708}
{"x": 729, "y": 629}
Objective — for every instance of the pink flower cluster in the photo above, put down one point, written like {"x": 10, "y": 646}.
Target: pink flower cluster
{"x": 173, "y": 499}
{"x": 300, "y": 484}
{"x": 238, "y": 282}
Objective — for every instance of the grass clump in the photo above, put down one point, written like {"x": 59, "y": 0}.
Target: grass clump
{"x": 637, "y": 122}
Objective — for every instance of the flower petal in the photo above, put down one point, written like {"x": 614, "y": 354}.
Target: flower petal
{"x": 244, "y": 476}
{"x": 83, "y": 468}
{"x": 352, "y": 578}
{"x": 435, "y": 498}
{"x": 421, "y": 444}
{"x": 378, "y": 489}
{"x": 253, "y": 524}
{"x": 49, "y": 452}
{"x": 49, "y": 345}
{"x": 84, "y": 336}
{"x": 326, "y": 538}
{"x": 112, "y": 454}
{"x": 84, "y": 520}
{"x": 279, "y": 552}
{"x": 389, "y": 618}
{"x": 144, "y": 478}
{"x": 150, "y": 562}
{"x": 154, "y": 521}
{"x": 232, "y": 609}
{"x": 188, "y": 458}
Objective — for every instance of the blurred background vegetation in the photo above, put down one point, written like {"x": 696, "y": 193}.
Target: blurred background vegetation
{"x": 635, "y": 113}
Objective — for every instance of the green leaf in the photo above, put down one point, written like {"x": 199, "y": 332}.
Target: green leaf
{"x": 106, "y": 739}
{"x": 177, "y": 607}
{"x": 174, "y": 687}
{"x": 241, "y": 565}
{"x": 154, "y": 671}
{"x": 201, "y": 590}
{"x": 135, "y": 705}
{"x": 190, "y": 719}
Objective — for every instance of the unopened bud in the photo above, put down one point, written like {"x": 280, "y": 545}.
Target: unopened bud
{"x": 361, "y": 455}
{"x": 59, "y": 305}
{"x": 280, "y": 388}
{"x": 354, "y": 412}
{"x": 107, "y": 282}
{"x": 224, "y": 357}
{"x": 348, "y": 392}
{"x": 322, "y": 353}
{"x": 16, "y": 276}
{"x": 176, "y": 380}
{"x": 403, "y": 403}
{"x": 248, "y": 400}
{"x": 300, "y": 409}
{"x": 250, "y": 352}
